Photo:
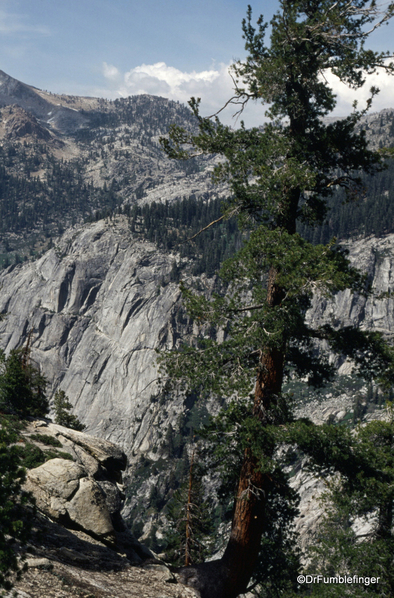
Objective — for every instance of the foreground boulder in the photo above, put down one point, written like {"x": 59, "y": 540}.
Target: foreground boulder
{"x": 81, "y": 487}
{"x": 79, "y": 542}
{"x": 67, "y": 494}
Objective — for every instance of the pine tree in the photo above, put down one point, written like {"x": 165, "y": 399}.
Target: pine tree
{"x": 63, "y": 417}
{"x": 280, "y": 174}
{"x": 22, "y": 386}
{"x": 190, "y": 519}
{"x": 360, "y": 491}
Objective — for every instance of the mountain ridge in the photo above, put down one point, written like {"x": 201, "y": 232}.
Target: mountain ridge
{"x": 65, "y": 159}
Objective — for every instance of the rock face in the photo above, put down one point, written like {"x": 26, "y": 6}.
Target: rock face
{"x": 20, "y": 124}
{"x": 29, "y": 98}
{"x": 375, "y": 257}
{"x": 99, "y": 304}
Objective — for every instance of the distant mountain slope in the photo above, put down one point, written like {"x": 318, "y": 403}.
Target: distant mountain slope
{"x": 63, "y": 118}
{"x": 62, "y": 158}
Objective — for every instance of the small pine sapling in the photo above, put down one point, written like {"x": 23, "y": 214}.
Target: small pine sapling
{"x": 63, "y": 417}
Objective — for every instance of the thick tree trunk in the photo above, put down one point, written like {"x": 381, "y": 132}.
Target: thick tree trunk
{"x": 229, "y": 576}
{"x": 385, "y": 518}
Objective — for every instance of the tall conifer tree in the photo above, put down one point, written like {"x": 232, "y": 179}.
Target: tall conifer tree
{"x": 279, "y": 174}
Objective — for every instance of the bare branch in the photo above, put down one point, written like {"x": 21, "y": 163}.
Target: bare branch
{"x": 248, "y": 308}
{"x": 232, "y": 213}
{"x": 235, "y": 100}
{"x": 205, "y": 228}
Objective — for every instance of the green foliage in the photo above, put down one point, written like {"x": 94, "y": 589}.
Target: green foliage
{"x": 338, "y": 551}
{"x": 372, "y": 215}
{"x": 172, "y": 227}
{"x": 15, "y": 519}
{"x": 54, "y": 454}
{"x": 46, "y": 439}
{"x": 281, "y": 174}
{"x": 229, "y": 366}
{"x": 63, "y": 191}
{"x": 32, "y": 456}
{"x": 22, "y": 387}
{"x": 63, "y": 417}
{"x": 360, "y": 492}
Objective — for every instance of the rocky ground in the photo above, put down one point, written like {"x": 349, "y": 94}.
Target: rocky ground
{"x": 80, "y": 545}
{"x": 65, "y": 563}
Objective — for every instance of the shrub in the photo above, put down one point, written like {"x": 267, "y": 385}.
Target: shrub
{"x": 46, "y": 439}
{"x": 15, "y": 518}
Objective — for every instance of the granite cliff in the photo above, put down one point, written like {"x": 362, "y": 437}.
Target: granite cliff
{"x": 100, "y": 303}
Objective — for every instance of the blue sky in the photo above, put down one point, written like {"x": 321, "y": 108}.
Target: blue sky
{"x": 112, "y": 48}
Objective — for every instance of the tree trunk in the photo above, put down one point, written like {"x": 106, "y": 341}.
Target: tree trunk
{"x": 229, "y": 576}
{"x": 188, "y": 516}
{"x": 385, "y": 518}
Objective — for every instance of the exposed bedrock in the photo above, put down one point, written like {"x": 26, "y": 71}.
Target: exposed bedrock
{"x": 99, "y": 304}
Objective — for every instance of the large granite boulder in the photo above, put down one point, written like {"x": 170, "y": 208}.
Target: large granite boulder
{"x": 81, "y": 488}
{"x": 65, "y": 492}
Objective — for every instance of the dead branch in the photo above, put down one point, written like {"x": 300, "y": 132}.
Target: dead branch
{"x": 211, "y": 224}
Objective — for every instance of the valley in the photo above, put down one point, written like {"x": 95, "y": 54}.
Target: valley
{"x": 94, "y": 229}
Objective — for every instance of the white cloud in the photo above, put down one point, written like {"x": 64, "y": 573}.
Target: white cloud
{"x": 215, "y": 87}
{"x": 111, "y": 72}
{"x": 346, "y": 96}
{"x": 168, "y": 81}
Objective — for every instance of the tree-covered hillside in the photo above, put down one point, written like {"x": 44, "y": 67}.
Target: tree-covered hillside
{"x": 371, "y": 213}
{"x": 111, "y": 157}
{"x": 50, "y": 181}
